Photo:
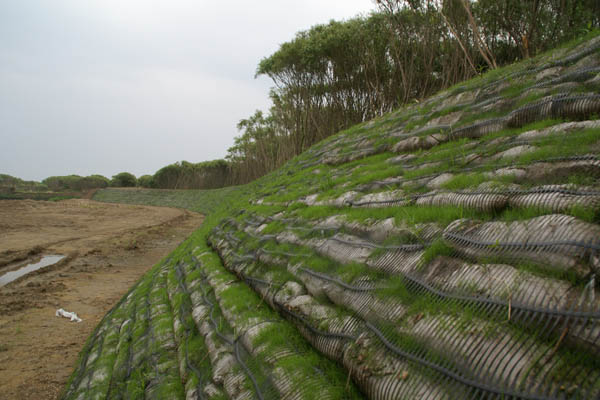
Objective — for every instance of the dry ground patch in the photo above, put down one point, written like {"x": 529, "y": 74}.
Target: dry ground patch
{"x": 108, "y": 248}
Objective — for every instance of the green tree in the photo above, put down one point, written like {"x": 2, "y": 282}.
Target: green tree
{"x": 76, "y": 182}
{"x": 145, "y": 181}
{"x": 335, "y": 75}
{"x": 123, "y": 179}
{"x": 186, "y": 175}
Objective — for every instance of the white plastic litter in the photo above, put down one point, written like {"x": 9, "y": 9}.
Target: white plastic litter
{"x": 62, "y": 313}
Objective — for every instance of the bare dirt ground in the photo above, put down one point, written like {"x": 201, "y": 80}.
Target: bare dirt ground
{"x": 108, "y": 248}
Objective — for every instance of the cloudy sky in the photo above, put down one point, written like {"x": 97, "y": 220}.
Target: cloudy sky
{"x": 104, "y": 86}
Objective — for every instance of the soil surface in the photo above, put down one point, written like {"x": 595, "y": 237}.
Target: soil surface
{"x": 108, "y": 248}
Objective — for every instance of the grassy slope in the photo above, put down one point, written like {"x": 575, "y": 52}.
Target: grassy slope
{"x": 306, "y": 191}
{"x": 202, "y": 201}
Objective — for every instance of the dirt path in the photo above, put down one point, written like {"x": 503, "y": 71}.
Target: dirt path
{"x": 109, "y": 247}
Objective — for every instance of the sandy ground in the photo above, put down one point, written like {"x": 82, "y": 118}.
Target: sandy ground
{"x": 108, "y": 247}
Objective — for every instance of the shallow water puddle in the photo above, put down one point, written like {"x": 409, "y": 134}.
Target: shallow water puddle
{"x": 44, "y": 262}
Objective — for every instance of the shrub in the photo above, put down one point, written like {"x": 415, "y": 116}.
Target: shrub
{"x": 123, "y": 179}
{"x": 145, "y": 181}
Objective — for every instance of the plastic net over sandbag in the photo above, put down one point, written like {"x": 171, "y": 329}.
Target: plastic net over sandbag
{"x": 447, "y": 250}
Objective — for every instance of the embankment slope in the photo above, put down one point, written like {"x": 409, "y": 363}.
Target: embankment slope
{"x": 446, "y": 250}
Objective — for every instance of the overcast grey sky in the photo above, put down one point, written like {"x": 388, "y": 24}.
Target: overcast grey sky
{"x": 104, "y": 86}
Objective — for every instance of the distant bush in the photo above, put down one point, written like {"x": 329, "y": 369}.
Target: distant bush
{"x": 145, "y": 181}
{"x": 185, "y": 175}
{"x": 7, "y": 180}
{"x": 94, "y": 181}
{"x": 123, "y": 179}
{"x": 10, "y": 184}
{"x": 75, "y": 182}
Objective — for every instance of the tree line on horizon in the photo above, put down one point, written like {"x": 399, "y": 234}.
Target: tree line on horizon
{"x": 67, "y": 183}
{"x": 180, "y": 175}
{"x": 342, "y": 73}
{"x": 339, "y": 74}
